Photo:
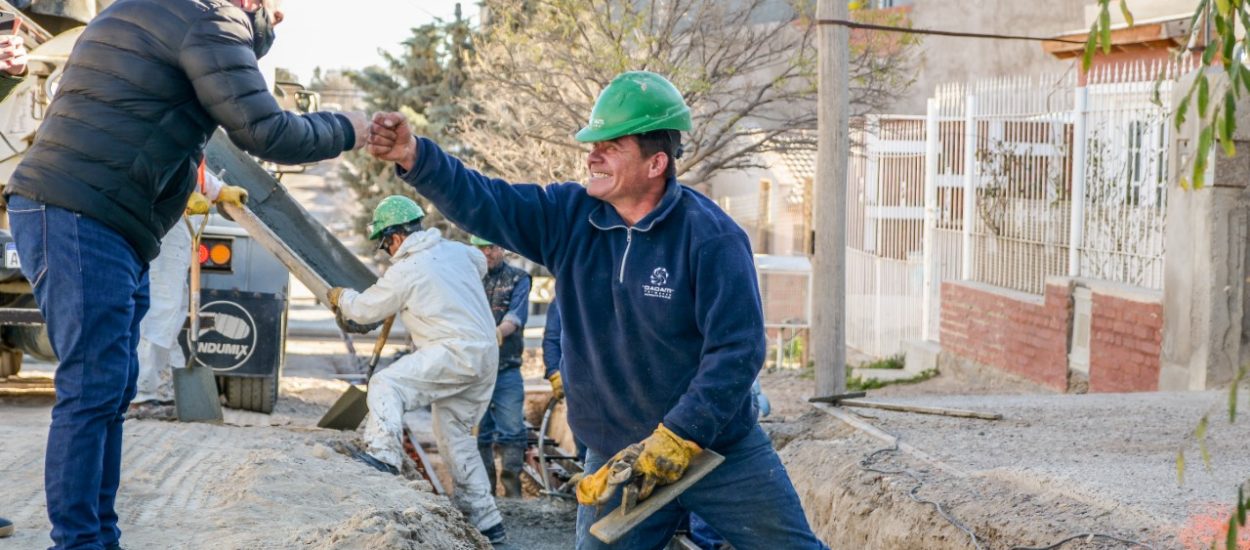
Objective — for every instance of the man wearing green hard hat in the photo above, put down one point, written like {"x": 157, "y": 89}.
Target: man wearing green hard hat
{"x": 663, "y": 332}
{"x": 507, "y": 291}
{"x": 435, "y": 286}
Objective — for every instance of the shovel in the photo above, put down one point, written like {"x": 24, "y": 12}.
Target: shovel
{"x": 195, "y": 387}
{"x": 349, "y": 411}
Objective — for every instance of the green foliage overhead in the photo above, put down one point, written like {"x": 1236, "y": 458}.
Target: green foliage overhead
{"x": 1212, "y": 101}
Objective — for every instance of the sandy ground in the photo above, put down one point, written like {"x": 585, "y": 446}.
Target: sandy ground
{"x": 265, "y": 481}
{"x": 242, "y": 485}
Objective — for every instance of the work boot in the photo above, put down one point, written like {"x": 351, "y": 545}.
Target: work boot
{"x": 374, "y": 462}
{"x": 496, "y": 534}
{"x": 488, "y": 460}
{"x": 6, "y": 528}
{"x": 513, "y": 461}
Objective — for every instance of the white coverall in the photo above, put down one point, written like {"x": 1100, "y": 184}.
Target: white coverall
{"x": 436, "y": 286}
{"x": 158, "y": 331}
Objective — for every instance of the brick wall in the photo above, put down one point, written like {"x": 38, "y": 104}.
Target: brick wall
{"x": 784, "y": 297}
{"x": 1015, "y": 332}
{"x": 1126, "y": 340}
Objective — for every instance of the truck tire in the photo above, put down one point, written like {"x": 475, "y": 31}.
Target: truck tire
{"x": 10, "y": 362}
{"x": 251, "y": 394}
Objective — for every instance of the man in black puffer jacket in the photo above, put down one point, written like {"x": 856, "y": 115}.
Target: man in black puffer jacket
{"x": 108, "y": 175}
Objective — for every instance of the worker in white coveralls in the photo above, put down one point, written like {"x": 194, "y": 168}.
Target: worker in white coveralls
{"x": 436, "y": 286}
{"x": 158, "y": 350}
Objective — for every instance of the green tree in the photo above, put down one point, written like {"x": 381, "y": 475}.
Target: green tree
{"x": 426, "y": 81}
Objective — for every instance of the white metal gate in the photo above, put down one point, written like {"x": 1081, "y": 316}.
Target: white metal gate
{"x": 1005, "y": 182}
{"x": 885, "y": 235}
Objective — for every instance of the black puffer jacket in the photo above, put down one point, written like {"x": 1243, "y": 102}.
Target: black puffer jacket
{"x": 145, "y": 86}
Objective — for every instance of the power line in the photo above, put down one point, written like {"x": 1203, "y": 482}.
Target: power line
{"x": 908, "y": 30}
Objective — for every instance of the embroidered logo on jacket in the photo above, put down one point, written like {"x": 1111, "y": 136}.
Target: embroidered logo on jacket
{"x": 658, "y": 287}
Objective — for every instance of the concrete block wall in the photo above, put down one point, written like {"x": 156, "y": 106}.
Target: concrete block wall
{"x": 1011, "y": 331}
{"x": 1126, "y": 341}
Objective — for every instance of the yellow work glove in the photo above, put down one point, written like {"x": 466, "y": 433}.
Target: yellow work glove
{"x": 499, "y": 336}
{"x": 333, "y": 297}
{"x": 597, "y": 488}
{"x": 233, "y": 195}
{"x": 557, "y": 385}
{"x": 197, "y": 204}
{"x": 664, "y": 458}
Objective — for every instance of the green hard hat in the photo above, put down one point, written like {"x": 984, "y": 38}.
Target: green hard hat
{"x": 636, "y": 102}
{"x": 478, "y": 241}
{"x": 394, "y": 210}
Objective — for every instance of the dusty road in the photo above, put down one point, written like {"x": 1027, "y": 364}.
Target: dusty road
{"x": 200, "y": 486}
{"x": 260, "y": 481}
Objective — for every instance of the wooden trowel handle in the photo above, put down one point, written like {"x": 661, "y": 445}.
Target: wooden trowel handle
{"x": 381, "y": 343}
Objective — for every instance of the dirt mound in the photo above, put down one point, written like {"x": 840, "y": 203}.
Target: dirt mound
{"x": 850, "y": 507}
{"x": 419, "y": 528}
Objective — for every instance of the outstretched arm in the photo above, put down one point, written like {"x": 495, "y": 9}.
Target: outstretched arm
{"x": 528, "y": 219}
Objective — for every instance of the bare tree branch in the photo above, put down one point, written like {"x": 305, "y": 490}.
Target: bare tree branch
{"x": 747, "y": 74}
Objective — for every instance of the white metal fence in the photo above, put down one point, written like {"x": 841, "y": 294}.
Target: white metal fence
{"x": 1018, "y": 144}
{"x": 885, "y": 234}
{"x": 786, "y": 289}
{"x": 1005, "y": 182}
{"x": 1022, "y": 179}
{"x": 1120, "y": 189}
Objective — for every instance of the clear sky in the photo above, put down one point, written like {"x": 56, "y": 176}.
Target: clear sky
{"x": 348, "y": 33}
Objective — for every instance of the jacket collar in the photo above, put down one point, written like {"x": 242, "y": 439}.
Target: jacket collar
{"x": 418, "y": 242}
{"x": 604, "y": 217}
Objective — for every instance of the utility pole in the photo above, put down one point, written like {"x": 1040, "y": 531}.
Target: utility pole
{"x": 829, "y": 261}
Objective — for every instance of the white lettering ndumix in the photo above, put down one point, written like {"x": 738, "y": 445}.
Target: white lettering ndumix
{"x": 237, "y": 350}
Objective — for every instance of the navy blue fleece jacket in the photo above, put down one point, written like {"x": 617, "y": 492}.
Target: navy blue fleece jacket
{"x": 551, "y": 341}
{"x": 662, "y": 320}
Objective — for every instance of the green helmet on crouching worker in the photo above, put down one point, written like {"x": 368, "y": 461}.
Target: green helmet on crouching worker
{"x": 478, "y": 241}
{"x": 636, "y": 102}
{"x": 395, "y": 210}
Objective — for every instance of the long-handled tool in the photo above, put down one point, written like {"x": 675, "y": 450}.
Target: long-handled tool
{"x": 547, "y": 464}
{"x": 417, "y": 454}
{"x": 632, "y": 512}
{"x": 349, "y": 411}
{"x": 195, "y": 387}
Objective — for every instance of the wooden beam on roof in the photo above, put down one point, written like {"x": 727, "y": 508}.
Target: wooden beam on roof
{"x": 1144, "y": 36}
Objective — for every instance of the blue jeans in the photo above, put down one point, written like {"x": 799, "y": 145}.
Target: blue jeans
{"x": 92, "y": 289}
{"x": 702, "y": 534}
{"x": 748, "y": 499}
{"x": 504, "y": 422}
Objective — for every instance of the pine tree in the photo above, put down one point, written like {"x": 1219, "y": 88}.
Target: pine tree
{"x": 426, "y": 82}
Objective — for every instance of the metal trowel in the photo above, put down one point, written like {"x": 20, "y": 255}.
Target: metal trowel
{"x": 631, "y": 512}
